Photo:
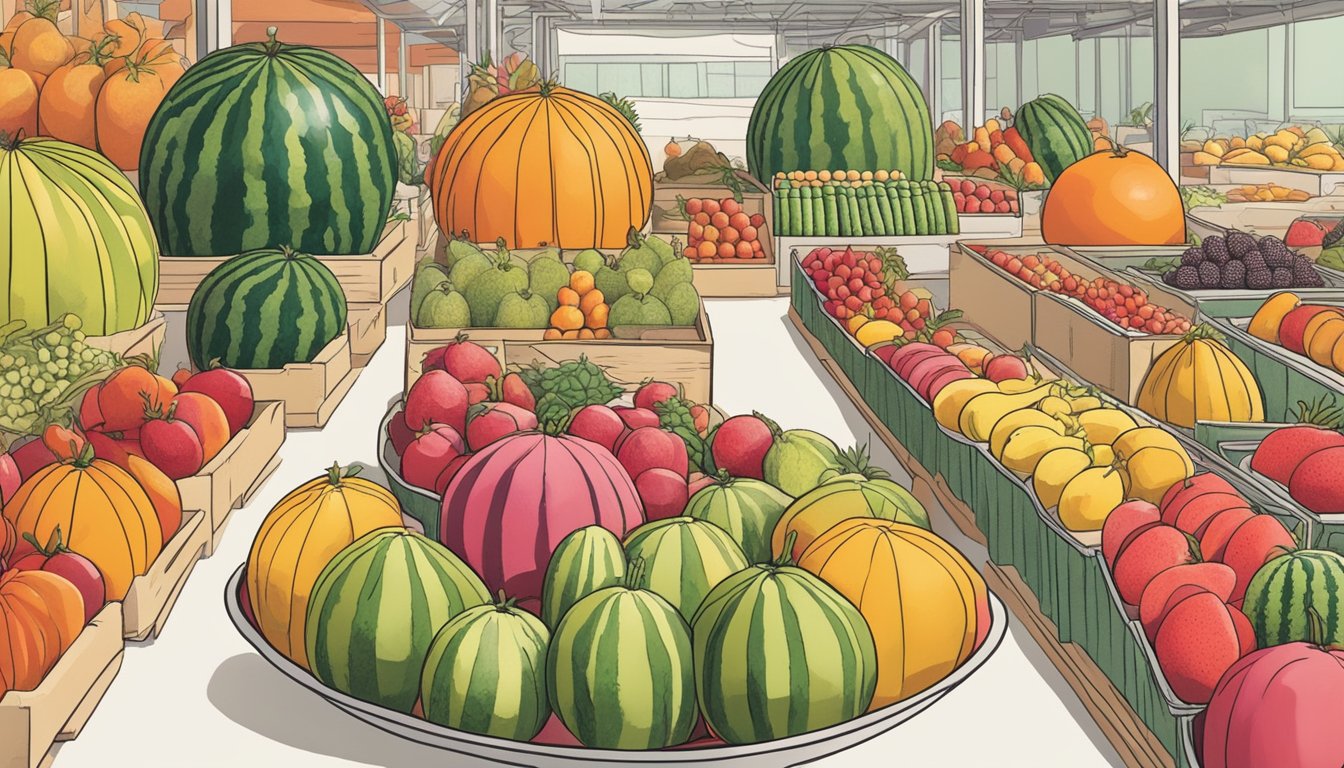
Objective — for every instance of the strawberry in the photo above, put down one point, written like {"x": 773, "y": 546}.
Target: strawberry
{"x": 1284, "y": 449}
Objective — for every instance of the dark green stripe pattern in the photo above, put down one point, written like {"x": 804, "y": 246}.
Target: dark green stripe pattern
{"x": 586, "y": 560}
{"x": 264, "y": 144}
{"x": 486, "y": 673}
{"x": 842, "y": 107}
{"x": 747, "y": 509}
{"x": 778, "y": 652}
{"x": 1055, "y": 133}
{"x": 375, "y": 609}
{"x": 264, "y": 309}
{"x": 684, "y": 559}
{"x": 1288, "y": 589}
{"x": 619, "y": 671}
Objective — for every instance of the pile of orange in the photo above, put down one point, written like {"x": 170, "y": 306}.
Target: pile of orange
{"x": 582, "y": 313}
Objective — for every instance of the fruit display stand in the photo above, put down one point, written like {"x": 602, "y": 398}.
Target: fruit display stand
{"x": 32, "y": 722}
{"x": 1315, "y": 183}
{"x": 1264, "y": 218}
{"x": 152, "y": 596}
{"x": 678, "y": 355}
{"x": 991, "y": 298}
{"x": 725, "y": 278}
{"x": 231, "y": 477}
{"x": 145, "y": 340}
{"x": 368, "y": 330}
{"x": 310, "y": 391}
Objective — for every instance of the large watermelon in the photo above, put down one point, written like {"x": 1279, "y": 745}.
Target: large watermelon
{"x": 264, "y": 144}
{"x": 76, "y": 240}
{"x": 486, "y": 673}
{"x": 511, "y": 504}
{"x": 841, "y": 107}
{"x": 1055, "y": 133}
{"x": 684, "y": 558}
{"x": 1286, "y": 590}
{"x": 744, "y": 507}
{"x": 619, "y": 671}
{"x": 376, "y": 608}
{"x": 587, "y": 560}
{"x": 779, "y": 653}
{"x": 264, "y": 309}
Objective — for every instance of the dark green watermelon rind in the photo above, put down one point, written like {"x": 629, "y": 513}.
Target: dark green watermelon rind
{"x": 1282, "y": 591}
{"x": 1055, "y": 133}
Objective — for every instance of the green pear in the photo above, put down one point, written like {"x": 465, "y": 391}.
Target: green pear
{"x": 490, "y": 286}
{"x": 523, "y": 309}
{"x": 443, "y": 307}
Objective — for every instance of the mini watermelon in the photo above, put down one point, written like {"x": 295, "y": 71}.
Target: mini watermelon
{"x": 1055, "y": 133}
{"x": 1288, "y": 589}
{"x": 619, "y": 670}
{"x": 746, "y": 508}
{"x": 485, "y": 673}
{"x": 375, "y": 609}
{"x": 684, "y": 559}
{"x": 266, "y": 143}
{"x": 264, "y": 309}
{"x": 586, "y": 560}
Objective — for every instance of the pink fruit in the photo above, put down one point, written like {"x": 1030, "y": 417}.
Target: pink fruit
{"x": 31, "y": 456}
{"x": 1305, "y": 233}
{"x": 429, "y": 454}
{"x": 172, "y": 446}
{"x": 1254, "y": 542}
{"x": 55, "y": 557}
{"x": 1182, "y": 493}
{"x": 1123, "y": 521}
{"x": 477, "y": 393}
{"x": 513, "y": 390}
{"x": 663, "y": 492}
{"x": 111, "y": 449}
{"x": 1218, "y": 531}
{"x": 496, "y": 420}
{"x": 740, "y": 444}
{"x": 654, "y": 392}
{"x": 230, "y": 390}
{"x": 400, "y": 434}
{"x": 885, "y": 352}
{"x": 635, "y": 418}
{"x": 906, "y": 351}
{"x": 698, "y": 483}
{"x": 1145, "y": 555}
{"x": 1194, "y": 515}
{"x": 649, "y": 447}
{"x": 467, "y": 361}
{"x": 929, "y": 367}
{"x": 449, "y": 472}
{"x": 10, "y": 479}
{"x": 555, "y": 734}
{"x": 1162, "y": 593}
{"x": 437, "y": 398}
{"x": 598, "y": 423}
{"x": 1284, "y": 449}
{"x": 1315, "y": 483}
{"x": 1005, "y": 367}
{"x": 935, "y": 384}
{"x": 1197, "y": 642}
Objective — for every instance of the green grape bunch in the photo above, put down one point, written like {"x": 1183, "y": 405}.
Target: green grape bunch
{"x": 43, "y": 371}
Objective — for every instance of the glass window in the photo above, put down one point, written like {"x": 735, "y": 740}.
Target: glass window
{"x": 683, "y": 81}
{"x": 752, "y": 77}
{"x": 653, "y": 80}
{"x": 581, "y": 76}
{"x": 619, "y": 78}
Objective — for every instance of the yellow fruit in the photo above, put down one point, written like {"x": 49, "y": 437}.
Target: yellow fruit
{"x": 1089, "y": 498}
{"x": 1004, "y": 154}
{"x": 1086, "y": 403}
{"x": 1199, "y": 378}
{"x": 1054, "y": 471}
{"x": 1322, "y": 344}
{"x": 1236, "y": 142}
{"x": 1010, "y": 423}
{"x": 992, "y": 125}
{"x": 1130, "y": 442}
{"x": 980, "y": 415}
{"x": 1326, "y": 149}
{"x": 1103, "y": 425}
{"x": 878, "y": 332}
{"x": 1054, "y": 405}
{"x": 1102, "y": 456}
{"x": 1027, "y": 445}
{"x": 1214, "y": 148}
{"x": 856, "y": 322}
{"x": 1246, "y": 158}
{"x": 951, "y": 399}
{"x": 1265, "y": 323}
{"x": 1315, "y": 136}
{"x": 1276, "y": 153}
{"x": 1018, "y": 386}
{"x": 1151, "y": 471}
{"x": 1320, "y": 162}
{"x": 1256, "y": 142}
{"x": 1284, "y": 139}
{"x": 1205, "y": 158}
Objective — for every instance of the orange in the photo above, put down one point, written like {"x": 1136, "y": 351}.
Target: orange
{"x": 569, "y": 335}
{"x": 602, "y": 333}
{"x": 1119, "y": 197}
{"x": 591, "y": 299}
{"x": 581, "y": 281}
{"x": 551, "y": 334}
{"x": 586, "y": 333}
{"x": 597, "y": 317}
{"x": 567, "y": 318}
{"x": 18, "y": 102}
{"x": 567, "y": 297}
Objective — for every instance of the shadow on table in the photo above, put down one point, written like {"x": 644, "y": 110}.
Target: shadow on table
{"x": 258, "y": 697}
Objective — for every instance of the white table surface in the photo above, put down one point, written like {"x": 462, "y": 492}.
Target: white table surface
{"x": 198, "y": 696}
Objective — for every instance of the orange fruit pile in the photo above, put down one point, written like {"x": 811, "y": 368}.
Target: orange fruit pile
{"x": 582, "y": 313}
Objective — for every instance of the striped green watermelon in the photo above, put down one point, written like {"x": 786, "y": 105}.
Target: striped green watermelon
{"x": 264, "y": 309}
{"x": 746, "y": 508}
{"x": 1287, "y": 589}
{"x": 778, "y": 652}
{"x": 619, "y": 670}
{"x": 586, "y": 560}
{"x": 1055, "y": 133}
{"x": 847, "y": 107}
{"x": 684, "y": 558}
{"x": 375, "y": 609}
{"x": 264, "y": 144}
{"x": 485, "y": 673}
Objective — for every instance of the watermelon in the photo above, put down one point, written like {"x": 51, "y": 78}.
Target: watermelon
{"x": 1055, "y": 133}
{"x": 375, "y": 609}
{"x": 1287, "y": 589}
{"x": 264, "y": 309}
{"x": 778, "y": 653}
{"x": 744, "y": 507}
{"x": 76, "y": 240}
{"x": 585, "y": 561}
{"x": 510, "y": 505}
{"x": 485, "y": 673}
{"x": 266, "y": 143}
{"x": 619, "y": 670}
{"x": 844, "y": 106}
{"x": 684, "y": 559}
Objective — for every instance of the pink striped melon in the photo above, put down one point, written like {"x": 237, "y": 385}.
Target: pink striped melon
{"x": 511, "y": 504}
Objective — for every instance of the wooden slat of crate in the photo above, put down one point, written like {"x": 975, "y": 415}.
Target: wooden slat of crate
{"x": 152, "y": 596}
{"x": 231, "y": 477}
{"x": 145, "y": 340}
{"x": 368, "y": 331}
{"x": 310, "y": 391}
{"x": 733, "y": 278}
{"x": 990, "y": 297}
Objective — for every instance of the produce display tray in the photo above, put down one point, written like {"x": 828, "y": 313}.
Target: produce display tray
{"x": 366, "y": 278}
{"x": 922, "y": 254}
{"x": 145, "y": 340}
{"x": 732, "y": 278}
{"x": 991, "y": 298}
{"x": 31, "y": 722}
{"x": 1315, "y": 183}
{"x": 368, "y": 331}
{"x": 419, "y": 507}
{"x": 665, "y": 217}
{"x": 794, "y": 750}
{"x": 681, "y": 355}
{"x": 1270, "y": 218}
{"x": 240, "y": 468}
{"x": 1285, "y": 378}
{"x": 152, "y": 596}
{"x": 310, "y": 391}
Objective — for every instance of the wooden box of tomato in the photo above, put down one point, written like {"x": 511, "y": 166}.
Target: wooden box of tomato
{"x": 152, "y": 596}
{"x": 988, "y": 296}
{"x": 32, "y": 722}
{"x": 310, "y": 391}
{"x": 717, "y": 276}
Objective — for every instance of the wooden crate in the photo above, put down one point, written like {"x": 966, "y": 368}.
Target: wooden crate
{"x": 1315, "y": 183}
{"x": 32, "y": 721}
{"x": 145, "y": 340}
{"x": 152, "y": 596}
{"x": 368, "y": 331}
{"x": 310, "y": 391}
{"x": 230, "y": 479}
{"x": 677, "y": 355}
{"x": 989, "y": 297}
{"x": 426, "y": 228}
{"x": 730, "y": 278}
{"x": 365, "y": 278}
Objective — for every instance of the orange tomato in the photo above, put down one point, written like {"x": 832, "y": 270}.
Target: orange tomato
{"x": 66, "y": 106}
{"x": 567, "y": 297}
{"x": 567, "y": 318}
{"x": 1120, "y": 197}
{"x": 591, "y": 299}
{"x": 38, "y": 46}
{"x": 127, "y": 101}
{"x": 597, "y": 316}
{"x": 18, "y": 102}
{"x": 581, "y": 281}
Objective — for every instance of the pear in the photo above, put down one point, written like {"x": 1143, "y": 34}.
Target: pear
{"x": 460, "y": 249}
{"x": 640, "y": 255}
{"x": 467, "y": 267}
{"x": 1027, "y": 445}
{"x": 1026, "y": 417}
{"x": 589, "y": 261}
{"x": 490, "y": 286}
{"x": 662, "y": 248}
{"x": 980, "y": 415}
{"x": 676, "y": 272}
{"x": 443, "y": 307}
{"x": 633, "y": 309}
{"x": 797, "y": 460}
{"x": 523, "y": 309}
{"x": 428, "y": 276}
{"x": 611, "y": 283}
{"x": 1089, "y": 497}
{"x": 1054, "y": 471}
{"x": 683, "y": 304}
{"x": 1104, "y": 425}
{"x": 1130, "y": 442}
{"x": 546, "y": 276}
{"x": 1151, "y": 471}
{"x": 951, "y": 399}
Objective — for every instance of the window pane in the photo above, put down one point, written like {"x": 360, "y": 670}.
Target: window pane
{"x": 581, "y": 77}
{"x": 720, "y": 86}
{"x": 719, "y": 67}
{"x": 683, "y": 81}
{"x": 621, "y": 79}
{"x": 652, "y": 77}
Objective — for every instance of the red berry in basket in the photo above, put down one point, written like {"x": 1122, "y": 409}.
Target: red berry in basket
{"x": 749, "y": 233}
{"x": 986, "y": 206}
{"x": 730, "y": 206}
{"x": 997, "y": 196}
{"x": 694, "y": 206}
{"x": 967, "y": 187}
{"x": 757, "y": 220}
{"x": 711, "y": 207}
{"x": 744, "y": 250}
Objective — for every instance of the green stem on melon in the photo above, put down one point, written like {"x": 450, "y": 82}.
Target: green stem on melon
{"x": 505, "y": 603}
{"x": 336, "y": 473}
{"x": 786, "y": 555}
{"x": 10, "y": 141}
{"x": 273, "y": 46}
{"x": 1315, "y": 628}
{"x": 770, "y": 424}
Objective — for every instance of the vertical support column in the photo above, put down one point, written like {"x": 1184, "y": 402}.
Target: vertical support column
{"x": 382, "y": 55}
{"x": 1096, "y": 77}
{"x": 972, "y": 62}
{"x": 212, "y": 21}
{"x": 403, "y": 77}
{"x": 471, "y": 49}
{"x": 1126, "y": 77}
{"x": 933, "y": 70}
{"x": 493, "y": 29}
{"x": 1167, "y": 89}
{"x": 1019, "y": 64}
{"x": 1289, "y": 69}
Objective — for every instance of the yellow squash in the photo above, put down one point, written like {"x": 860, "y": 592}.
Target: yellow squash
{"x": 1200, "y": 378}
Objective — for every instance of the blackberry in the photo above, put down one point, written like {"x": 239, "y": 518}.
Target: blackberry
{"x": 1254, "y": 262}
{"x": 1187, "y": 278}
{"x": 1169, "y": 277}
{"x": 1259, "y": 279}
{"x": 1192, "y": 256}
{"x": 1282, "y": 277}
{"x": 1275, "y": 252}
{"x": 1210, "y": 276}
{"x": 1239, "y": 244}
{"x": 1215, "y": 250}
{"x": 1305, "y": 275}
{"x": 1234, "y": 275}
